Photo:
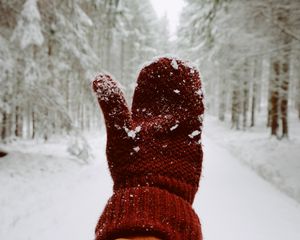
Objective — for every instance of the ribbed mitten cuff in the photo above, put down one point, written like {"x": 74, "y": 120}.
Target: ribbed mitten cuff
{"x": 148, "y": 211}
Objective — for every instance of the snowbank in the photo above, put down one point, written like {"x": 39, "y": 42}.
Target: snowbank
{"x": 275, "y": 161}
{"x": 46, "y": 193}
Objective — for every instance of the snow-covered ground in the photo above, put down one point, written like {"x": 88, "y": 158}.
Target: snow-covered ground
{"x": 275, "y": 161}
{"x": 47, "y": 194}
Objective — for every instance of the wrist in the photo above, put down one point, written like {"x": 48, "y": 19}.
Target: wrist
{"x": 148, "y": 211}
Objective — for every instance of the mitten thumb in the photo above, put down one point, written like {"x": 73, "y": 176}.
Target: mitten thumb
{"x": 112, "y": 103}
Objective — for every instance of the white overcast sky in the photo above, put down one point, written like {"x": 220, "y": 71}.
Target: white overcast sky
{"x": 170, "y": 7}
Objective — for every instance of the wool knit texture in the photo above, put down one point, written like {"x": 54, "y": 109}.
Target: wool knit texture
{"x": 154, "y": 152}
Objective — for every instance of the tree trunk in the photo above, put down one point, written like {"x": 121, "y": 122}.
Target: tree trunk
{"x": 122, "y": 58}
{"x": 274, "y": 97}
{"x": 33, "y": 124}
{"x": 235, "y": 107}
{"x": 222, "y": 99}
{"x": 108, "y": 49}
{"x": 269, "y": 106}
{"x": 283, "y": 16}
{"x": 3, "y": 125}
{"x": 4, "y": 133}
{"x": 18, "y": 122}
{"x": 298, "y": 96}
{"x": 284, "y": 93}
{"x": 246, "y": 79}
{"x": 253, "y": 105}
{"x": 255, "y": 89}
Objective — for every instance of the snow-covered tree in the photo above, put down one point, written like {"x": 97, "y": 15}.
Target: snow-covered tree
{"x": 244, "y": 50}
{"x": 28, "y": 30}
{"x": 51, "y": 49}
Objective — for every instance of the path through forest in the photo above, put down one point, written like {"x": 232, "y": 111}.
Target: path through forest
{"x": 233, "y": 202}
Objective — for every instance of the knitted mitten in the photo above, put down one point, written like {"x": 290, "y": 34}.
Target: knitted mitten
{"x": 154, "y": 153}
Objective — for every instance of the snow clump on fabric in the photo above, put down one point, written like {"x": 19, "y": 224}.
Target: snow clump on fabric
{"x": 174, "y": 64}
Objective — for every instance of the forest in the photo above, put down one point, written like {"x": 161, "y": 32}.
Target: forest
{"x": 54, "y": 173}
{"x": 247, "y": 53}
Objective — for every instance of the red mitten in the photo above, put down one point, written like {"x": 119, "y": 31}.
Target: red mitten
{"x": 154, "y": 153}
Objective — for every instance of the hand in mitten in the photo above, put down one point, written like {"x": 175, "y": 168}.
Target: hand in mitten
{"x": 154, "y": 152}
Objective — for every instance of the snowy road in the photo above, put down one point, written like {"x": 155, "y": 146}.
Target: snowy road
{"x": 233, "y": 203}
